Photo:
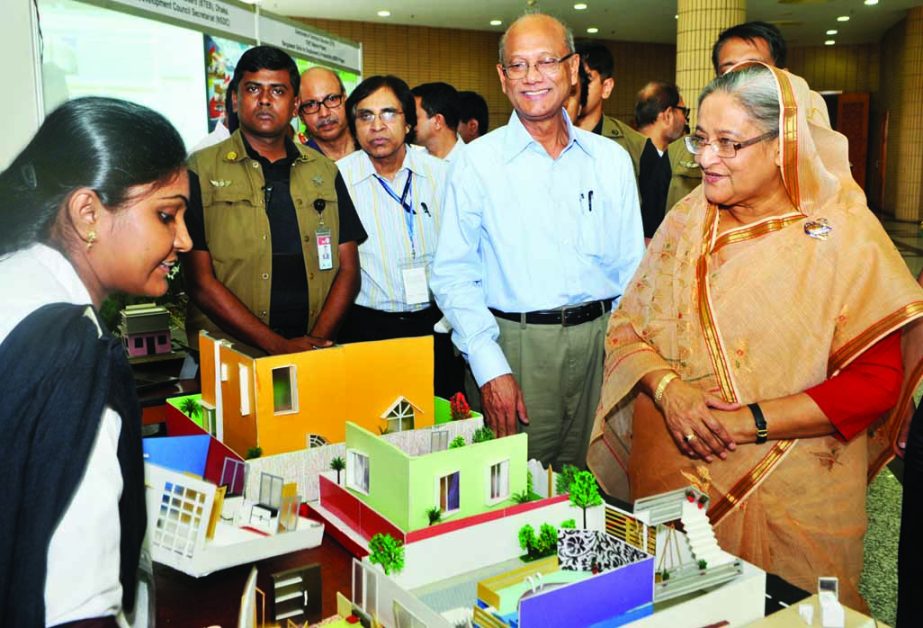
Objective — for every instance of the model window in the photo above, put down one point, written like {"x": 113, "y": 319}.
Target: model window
{"x": 448, "y": 493}
{"x": 500, "y": 481}
{"x": 162, "y": 339}
{"x": 139, "y": 342}
{"x": 243, "y": 375}
{"x": 400, "y": 418}
{"x": 357, "y": 472}
{"x": 284, "y": 395}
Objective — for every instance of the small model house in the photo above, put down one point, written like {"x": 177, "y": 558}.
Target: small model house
{"x": 146, "y": 329}
{"x": 461, "y": 482}
{"x": 284, "y": 403}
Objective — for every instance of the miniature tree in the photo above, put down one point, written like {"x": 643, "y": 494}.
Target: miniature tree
{"x": 190, "y": 407}
{"x": 434, "y": 515}
{"x": 564, "y": 479}
{"x": 547, "y": 543}
{"x": 387, "y": 551}
{"x": 584, "y": 492}
{"x": 482, "y": 435}
{"x": 254, "y": 452}
{"x": 338, "y": 464}
{"x": 458, "y": 441}
{"x": 459, "y": 406}
{"x": 527, "y": 539}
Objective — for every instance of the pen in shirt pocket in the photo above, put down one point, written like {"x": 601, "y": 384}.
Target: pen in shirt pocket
{"x": 425, "y": 209}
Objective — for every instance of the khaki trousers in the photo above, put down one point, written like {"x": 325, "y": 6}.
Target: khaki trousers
{"x": 560, "y": 372}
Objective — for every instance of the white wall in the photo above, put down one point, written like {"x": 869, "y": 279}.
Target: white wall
{"x": 21, "y": 110}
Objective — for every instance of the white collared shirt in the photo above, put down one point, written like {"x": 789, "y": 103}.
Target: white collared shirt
{"x": 83, "y": 556}
{"x": 389, "y": 249}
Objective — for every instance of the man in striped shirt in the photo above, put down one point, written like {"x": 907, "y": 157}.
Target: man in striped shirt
{"x": 398, "y": 196}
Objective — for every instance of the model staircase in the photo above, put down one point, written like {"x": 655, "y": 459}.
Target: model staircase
{"x": 701, "y": 536}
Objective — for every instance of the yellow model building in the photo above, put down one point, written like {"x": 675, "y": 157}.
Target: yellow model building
{"x": 288, "y": 402}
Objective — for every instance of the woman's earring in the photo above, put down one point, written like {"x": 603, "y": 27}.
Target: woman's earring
{"x": 91, "y": 239}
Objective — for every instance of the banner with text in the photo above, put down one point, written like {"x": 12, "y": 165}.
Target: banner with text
{"x": 212, "y": 15}
{"x": 302, "y": 41}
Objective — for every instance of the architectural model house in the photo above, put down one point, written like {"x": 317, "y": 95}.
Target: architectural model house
{"x": 146, "y": 329}
{"x": 284, "y": 403}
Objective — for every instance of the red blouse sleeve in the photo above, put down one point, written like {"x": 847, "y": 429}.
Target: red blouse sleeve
{"x": 864, "y": 390}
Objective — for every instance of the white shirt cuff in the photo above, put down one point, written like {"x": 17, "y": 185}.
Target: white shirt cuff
{"x": 488, "y": 363}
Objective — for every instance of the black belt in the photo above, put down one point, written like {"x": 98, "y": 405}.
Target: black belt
{"x": 566, "y": 316}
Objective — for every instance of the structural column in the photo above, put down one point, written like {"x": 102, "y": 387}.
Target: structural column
{"x": 697, "y": 28}
{"x": 909, "y": 180}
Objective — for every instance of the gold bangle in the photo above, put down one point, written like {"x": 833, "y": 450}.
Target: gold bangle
{"x": 662, "y": 386}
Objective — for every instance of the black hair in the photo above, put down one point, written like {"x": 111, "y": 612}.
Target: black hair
{"x": 654, "y": 98}
{"x": 231, "y": 121}
{"x": 584, "y": 77}
{"x": 473, "y": 105}
{"x": 439, "y": 98}
{"x": 597, "y": 57}
{"x": 104, "y": 144}
{"x": 397, "y": 86}
{"x": 750, "y": 31}
{"x": 265, "y": 58}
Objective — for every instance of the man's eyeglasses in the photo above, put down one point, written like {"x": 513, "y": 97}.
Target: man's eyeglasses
{"x": 723, "y": 147}
{"x": 548, "y": 67}
{"x": 330, "y": 101}
{"x": 367, "y": 116}
{"x": 685, "y": 110}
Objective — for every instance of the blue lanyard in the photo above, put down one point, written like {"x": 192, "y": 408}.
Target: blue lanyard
{"x": 406, "y": 201}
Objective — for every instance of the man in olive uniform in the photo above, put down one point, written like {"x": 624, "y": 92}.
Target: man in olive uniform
{"x": 598, "y": 63}
{"x": 275, "y": 262}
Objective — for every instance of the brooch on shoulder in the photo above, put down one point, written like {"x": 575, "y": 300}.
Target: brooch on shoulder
{"x": 220, "y": 183}
{"x": 818, "y": 229}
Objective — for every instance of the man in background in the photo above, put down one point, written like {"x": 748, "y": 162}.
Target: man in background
{"x": 322, "y": 96}
{"x": 660, "y": 115}
{"x": 599, "y": 64}
{"x": 437, "y": 119}
{"x": 473, "y": 121}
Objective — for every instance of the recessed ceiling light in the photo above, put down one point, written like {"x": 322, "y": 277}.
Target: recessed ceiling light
{"x": 829, "y": 42}
{"x": 832, "y": 31}
{"x": 580, "y": 6}
{"x": 496, "y": 22}
{"x": 871, "y": 3}
{"x": 592, "y": 30}
{"x": 385, "y": 13}
{"x": 843, "y": 18}
{"x": 676, "y": 17}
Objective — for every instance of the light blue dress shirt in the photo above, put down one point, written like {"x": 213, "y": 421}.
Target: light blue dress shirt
{"x": 522, "y": 232}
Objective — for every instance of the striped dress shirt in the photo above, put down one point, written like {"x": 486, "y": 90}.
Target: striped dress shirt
{"x": 389, "y": 248}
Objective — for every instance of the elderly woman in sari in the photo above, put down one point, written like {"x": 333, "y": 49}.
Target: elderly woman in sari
{"x": 760, "y": 339}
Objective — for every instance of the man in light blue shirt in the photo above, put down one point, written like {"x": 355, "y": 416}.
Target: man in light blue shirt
{"x": 540, "y": 235}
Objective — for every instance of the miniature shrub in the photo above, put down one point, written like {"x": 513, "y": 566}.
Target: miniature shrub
{"x": 254, "y": 452}
{"x": 387, "y": 551}
{"x": 527, "y": 538}
{"x": 458, "y": 441}
{"x": 482, "y": 435}
{"x": 528, "y": 494}
{"x": 434, "y": 515}
{"x": 570, "y": 524}
{"x": 545, "y": 544}
{"x": 703, "y": 564}
{"x": 564, "y": 479}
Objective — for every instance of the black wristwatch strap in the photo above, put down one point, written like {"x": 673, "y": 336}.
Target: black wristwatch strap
{"x": 760, "y": 420}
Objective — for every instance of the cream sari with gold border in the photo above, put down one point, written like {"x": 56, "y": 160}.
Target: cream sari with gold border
{"x": 757, "y": 313}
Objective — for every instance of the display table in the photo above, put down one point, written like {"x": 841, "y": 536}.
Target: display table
{"x": 789, "y": 618}
{"x": 215, "y": 599}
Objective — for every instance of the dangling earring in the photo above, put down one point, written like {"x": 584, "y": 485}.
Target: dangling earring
{"x": 91, "y": 239}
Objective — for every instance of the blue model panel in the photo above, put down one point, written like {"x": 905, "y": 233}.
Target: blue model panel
{"x": 592, "y": 601}
{"x": 626, "y": 618}
{"x": 186, "y": 454}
